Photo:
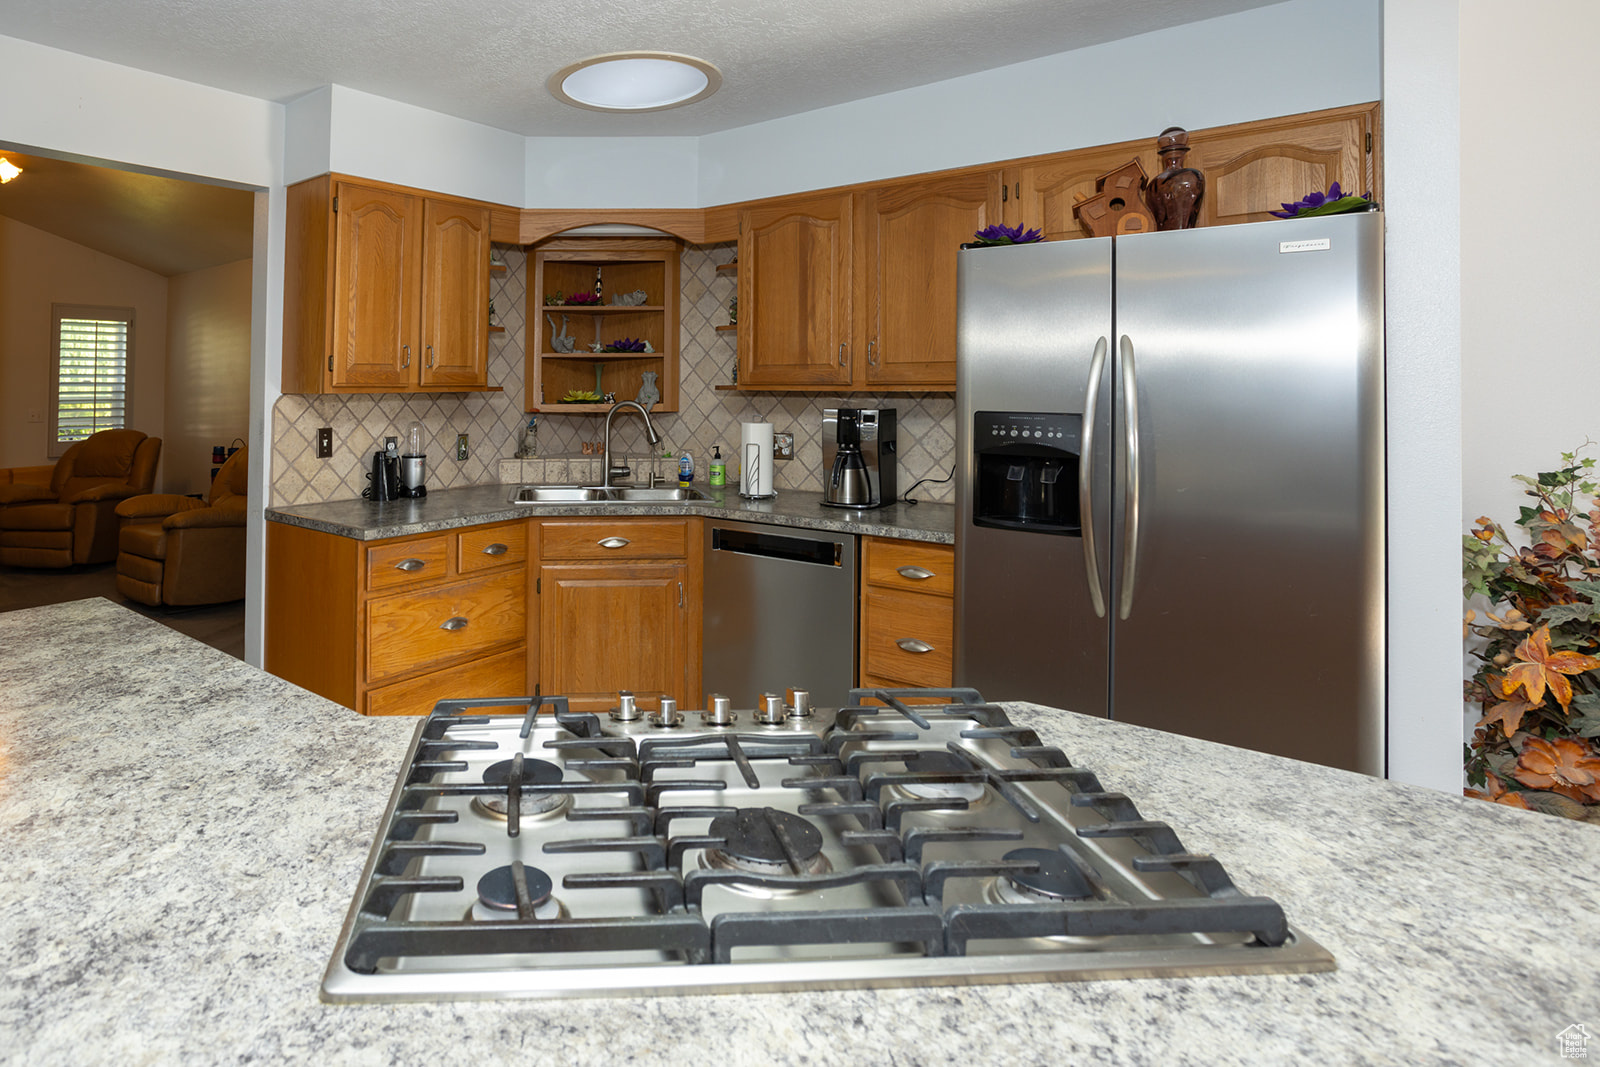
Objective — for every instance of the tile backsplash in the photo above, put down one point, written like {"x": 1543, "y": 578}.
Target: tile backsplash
{"x": 494, "y": 421}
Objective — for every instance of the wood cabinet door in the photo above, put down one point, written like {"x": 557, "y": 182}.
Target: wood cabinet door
{"x": 908, "y": 236}
{"x": 376, "y": 279}
{"x": 1255, "y": 168}
{"x": 795, "y": 292}
{"x": 455, "y": 294}
{"x": 608, "y": 628}
{"x": 1041, "y": 194}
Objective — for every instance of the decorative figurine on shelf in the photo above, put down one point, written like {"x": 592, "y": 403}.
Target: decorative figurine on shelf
{"x": 597, "y": 285}
{"x": 528, "y": 448}
{"x": 649, "y": 395}
{"x": 1175, "y": 193}
{"x": 633, "y": 299}
{"x": 733, "y": 311}
{"x": 563, "y": 341}
{"x": 1118, "y": 203}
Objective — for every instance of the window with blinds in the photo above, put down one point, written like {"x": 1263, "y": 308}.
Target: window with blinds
{"x": 93, "y": 347}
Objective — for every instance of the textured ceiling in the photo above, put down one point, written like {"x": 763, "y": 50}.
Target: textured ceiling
{"x": 488, "y": 62}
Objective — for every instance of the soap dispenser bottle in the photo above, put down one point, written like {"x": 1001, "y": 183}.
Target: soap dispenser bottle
{"x": 719, "y": 469}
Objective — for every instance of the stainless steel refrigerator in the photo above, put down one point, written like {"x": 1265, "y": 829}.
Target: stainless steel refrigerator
{"x": 1170, "y": 492}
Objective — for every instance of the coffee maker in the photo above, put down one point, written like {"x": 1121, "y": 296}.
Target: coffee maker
{"x": 858, "y": 457}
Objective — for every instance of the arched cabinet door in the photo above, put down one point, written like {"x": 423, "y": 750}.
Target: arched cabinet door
{"x": 795, "y": 293}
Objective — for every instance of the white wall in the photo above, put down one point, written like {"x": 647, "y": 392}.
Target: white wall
{"x": 612, "y": 172}
{"x": 371, "y": 137}
{"x": 208, "y": 371}
{"x": 1422, "y": 162}
{"x": 1279, "y": 60}
{"x": 1530, "y": 296}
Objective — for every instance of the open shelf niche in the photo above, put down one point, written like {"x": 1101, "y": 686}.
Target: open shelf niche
{"x": 623, "y": 265}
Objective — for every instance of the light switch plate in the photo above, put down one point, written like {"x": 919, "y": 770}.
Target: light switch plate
{"x": 324, "y": 442}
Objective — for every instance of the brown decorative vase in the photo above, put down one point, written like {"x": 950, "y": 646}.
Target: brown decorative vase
{"x": 1174, "y": 194}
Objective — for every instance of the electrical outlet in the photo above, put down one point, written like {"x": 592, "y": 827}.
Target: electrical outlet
{"x": 461, "y": 446}
{"x": 391, "y": 446}
{"x": 783, "y": 445}
{"x": 324, "y": 442}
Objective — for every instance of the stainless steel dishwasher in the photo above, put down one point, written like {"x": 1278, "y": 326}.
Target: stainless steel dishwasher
{"x": 779, "y": 611}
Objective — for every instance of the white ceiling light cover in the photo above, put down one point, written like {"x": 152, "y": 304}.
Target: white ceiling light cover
{"x": 635, "y": 81}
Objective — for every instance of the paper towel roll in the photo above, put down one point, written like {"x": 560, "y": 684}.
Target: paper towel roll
{"x": 755, "y": 460}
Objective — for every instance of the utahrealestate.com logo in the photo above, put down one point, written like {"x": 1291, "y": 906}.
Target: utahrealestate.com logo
{"x": 1573, "y": 1042}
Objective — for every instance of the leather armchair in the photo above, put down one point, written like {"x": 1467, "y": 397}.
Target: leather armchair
{"x": 73, "y": 519}
{"x": 176, "y": 550}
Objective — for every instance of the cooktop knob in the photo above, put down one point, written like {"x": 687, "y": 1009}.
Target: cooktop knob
{"x": 626, "y": 710}
{"x": 720, "y": 713}
{"x": 669, "y": 715}
{"x": 799, "y": 704}
{"x": 770, "y": 710}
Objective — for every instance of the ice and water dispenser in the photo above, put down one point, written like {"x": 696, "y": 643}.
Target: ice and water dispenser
{"x": 1027, "y": 470}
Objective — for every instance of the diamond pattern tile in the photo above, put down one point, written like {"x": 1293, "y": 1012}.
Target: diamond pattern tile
{"x": 494, "y": 421}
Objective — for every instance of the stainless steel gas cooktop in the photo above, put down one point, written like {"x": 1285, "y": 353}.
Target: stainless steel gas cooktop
{"x": 916, "y": 838}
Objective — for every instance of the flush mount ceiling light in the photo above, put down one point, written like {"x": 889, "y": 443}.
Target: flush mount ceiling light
{"x": 8, "y": 170}
{"x": 635, "y": 81}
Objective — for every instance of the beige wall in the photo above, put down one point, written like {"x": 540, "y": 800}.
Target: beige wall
{"x": 208, "y": 370}
{"x": 38, "y": 269}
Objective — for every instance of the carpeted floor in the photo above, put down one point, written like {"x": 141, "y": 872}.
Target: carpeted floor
{"x": 218, "y": 625}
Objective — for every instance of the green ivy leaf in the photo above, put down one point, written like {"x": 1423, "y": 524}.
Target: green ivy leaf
{"x": 1586, "y": 703}
{"x": 1562, "y": 614}
{"x": 1587, "y": 726}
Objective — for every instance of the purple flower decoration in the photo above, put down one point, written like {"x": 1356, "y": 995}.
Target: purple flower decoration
{"x": 1007, "y": 235}
{"x": 1334, "y": 202}
{"x": 627, "y": 344}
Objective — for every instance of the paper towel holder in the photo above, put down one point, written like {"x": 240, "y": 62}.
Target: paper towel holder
{"x": 752, "y": 484}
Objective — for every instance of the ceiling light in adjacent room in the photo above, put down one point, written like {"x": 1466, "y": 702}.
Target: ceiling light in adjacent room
{"x": 8, "y": 170}
{"x": 635, "y": 81}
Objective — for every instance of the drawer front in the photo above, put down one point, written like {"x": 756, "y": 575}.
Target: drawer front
{"x": 892, "y": 617}
{"x": 502, "y": 675}
{"x": 911, "y": 565}
{"x": 412, "y": 631}
{"x": 614, "y": 540}
{"x": 482, "y": 548}
{"x": 407, "y": 563}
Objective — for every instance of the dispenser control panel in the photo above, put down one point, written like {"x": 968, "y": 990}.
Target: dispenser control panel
{"x": 1049, "y": 428}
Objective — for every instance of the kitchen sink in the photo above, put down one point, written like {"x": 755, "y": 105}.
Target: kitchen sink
{"x": 597, "y": 494}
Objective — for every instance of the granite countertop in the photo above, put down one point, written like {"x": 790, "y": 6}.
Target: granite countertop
{"x": 448, "y": 509}
{"x": 184, "y": 835}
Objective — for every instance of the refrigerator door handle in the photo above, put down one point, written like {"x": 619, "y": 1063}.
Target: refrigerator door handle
{"x": 1130, "y": 516}
{"x": 1091, "y": 405}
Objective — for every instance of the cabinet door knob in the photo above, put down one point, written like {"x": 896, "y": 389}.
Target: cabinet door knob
{"x": 457, "y": 623}
{"x": 412, "y": 564}
{"x": 613, "y": 542}
{"x": 496, "y": 549}
{"x": 916, "y": 574}
{"x": 911, "y": 644}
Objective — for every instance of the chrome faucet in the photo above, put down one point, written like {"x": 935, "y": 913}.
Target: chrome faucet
{"x": 621, "y": 469}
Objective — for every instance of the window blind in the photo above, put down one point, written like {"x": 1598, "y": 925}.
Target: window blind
{"x": 91, "y": 376}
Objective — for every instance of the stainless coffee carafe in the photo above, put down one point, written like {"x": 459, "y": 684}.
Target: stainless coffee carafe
{"x": 858, "y": 457}
{"x": 848, "y": 483}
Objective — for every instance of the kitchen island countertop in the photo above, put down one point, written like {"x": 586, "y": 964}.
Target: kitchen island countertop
{"x": 184, "y": 834}
{"x": 448, "y": 509}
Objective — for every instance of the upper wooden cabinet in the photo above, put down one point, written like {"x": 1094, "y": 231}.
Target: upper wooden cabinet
{"x": 909, "y": 232}
{"x": 1250, "y": 169}
{"x": 856, "y": 291}
{"x": 387, "y": 290}
{"x": 795, "y": 287}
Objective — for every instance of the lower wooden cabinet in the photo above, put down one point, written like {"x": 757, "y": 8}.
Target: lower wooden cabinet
{"x": 619, "y": 609}
{"x": 907, "y": 613}
{"x": 391, "y": 627}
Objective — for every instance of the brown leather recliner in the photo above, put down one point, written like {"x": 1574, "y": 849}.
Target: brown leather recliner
{"x": 73, "y": 519}
{"x": 178, "y": 550}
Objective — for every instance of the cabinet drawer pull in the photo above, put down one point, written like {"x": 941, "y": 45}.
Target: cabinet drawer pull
{"x": 841, "y": 353}
{"x": 911, "y": 644}
{"x": 916, "y": 574}
{"x": 457, "y": 623}
{"x": 412, "y": 564}
{"x": 430, "y": 355}
{"x": 680, "y": 596}
{"x": 872, "y": 359}
{"x": 405, "y": 355}
{"x": 496, "y": 549}
{"x": 613, "y": 542}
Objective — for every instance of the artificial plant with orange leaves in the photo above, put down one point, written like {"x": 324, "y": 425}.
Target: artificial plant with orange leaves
{"x": 1537, "y": 648}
